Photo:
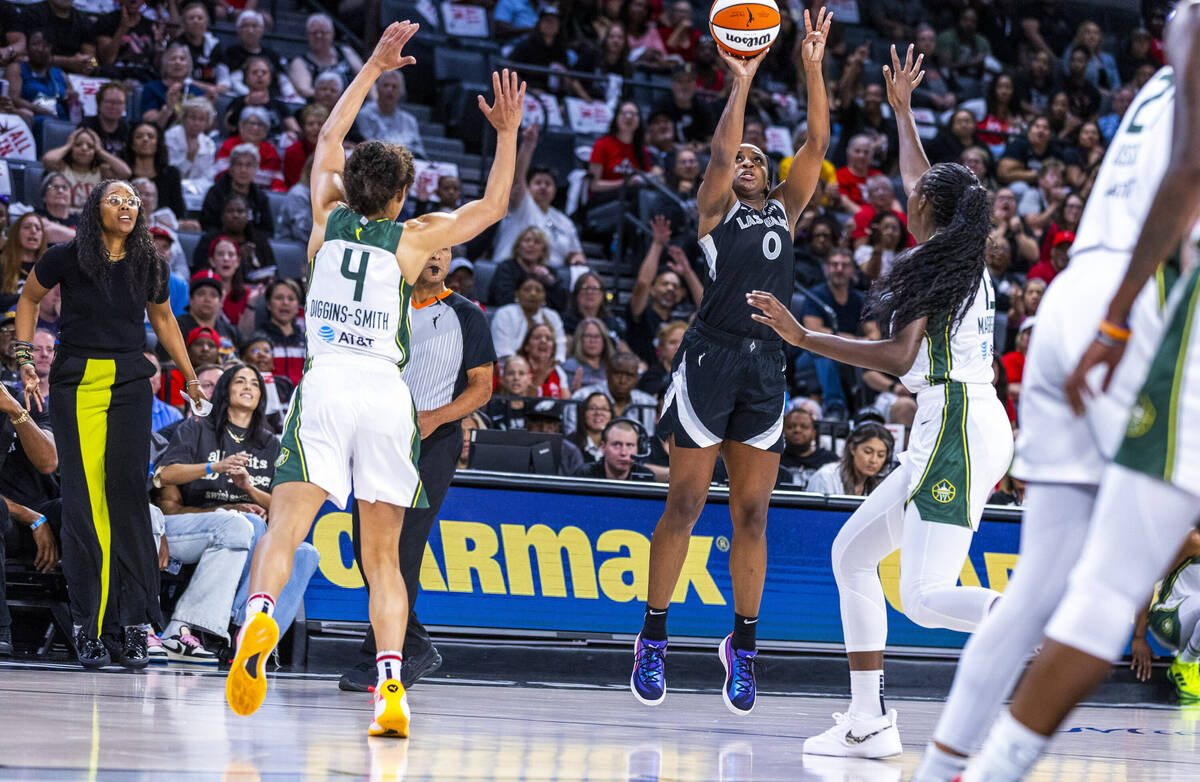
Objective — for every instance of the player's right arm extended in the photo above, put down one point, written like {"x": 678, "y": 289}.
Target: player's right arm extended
{"x": 716, "y": 189}
{"x": 900, "y": 80}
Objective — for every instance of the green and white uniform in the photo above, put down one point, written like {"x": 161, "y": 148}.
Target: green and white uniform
{"x": 352, "y": 420}
{"x": 1175, "y": 611}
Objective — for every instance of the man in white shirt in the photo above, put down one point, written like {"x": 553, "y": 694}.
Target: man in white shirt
{"x": 533, "y": 191}
{"x": 384, "y": 120}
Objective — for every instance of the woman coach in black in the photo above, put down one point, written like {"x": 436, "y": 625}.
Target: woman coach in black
{"x": 100, "y": 398}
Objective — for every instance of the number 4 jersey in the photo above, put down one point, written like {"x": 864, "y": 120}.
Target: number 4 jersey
{"x": 357, "y": 297}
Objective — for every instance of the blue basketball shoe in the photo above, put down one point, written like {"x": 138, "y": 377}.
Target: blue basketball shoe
{"x": 649, "y": 679}
{"x": 739, "y": 689}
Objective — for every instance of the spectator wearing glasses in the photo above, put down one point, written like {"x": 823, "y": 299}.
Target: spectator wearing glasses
{"x": 258, "y": 353}
{"x": 57, "y": 219}
{"x": 591, "y": 349}
{"x": 595, "y": 413}
{"x": 322, "y": 55}
{"x": 250, "y": 28}
{"x": 530, "y": 254}
{"x": 253, "y": 125}
{"x": 109, "y": 121}
{"x": 530, "y": 204}
{"x": 239, "y": 180}
{"x": 162, "y": 98}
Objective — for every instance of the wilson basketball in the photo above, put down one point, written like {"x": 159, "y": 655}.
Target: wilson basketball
{"x": 744, "y": 28}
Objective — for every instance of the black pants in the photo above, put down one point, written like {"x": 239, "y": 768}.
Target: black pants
{"x": 438, "y": 462}
{"x": 100, "y": 409}
{"x": 16, "y": 541}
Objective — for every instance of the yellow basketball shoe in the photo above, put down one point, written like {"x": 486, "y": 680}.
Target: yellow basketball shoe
{"x": 1186, "y": 678}
{"x": 246, "y": 685}
{"x": 391, "y": 710}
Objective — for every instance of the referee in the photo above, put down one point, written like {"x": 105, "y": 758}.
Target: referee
{"x": 449, "y": 375}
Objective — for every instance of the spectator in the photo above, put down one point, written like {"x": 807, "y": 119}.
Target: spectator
{"x": 1089, "y": 147}
{"x": 677, "y": 32}
{"x": 693, "y": 120}
{"x": 161, "y": 413}
{"x": 980, "y": 161}
{"x": 8, "y": 353}
{"x": 608, "y": 13}
{"x": 206, "y": 292}
{"x": 1136, "y": 55}
{"x": 610, "y": 57}
{"x": 964, "y": 52}
{"x": 1062, "y": 122}
{"x": 162, "y": 98}
{"x": 109, "y": 121}
{"x": 1083, "y": 96}
{"x": 295, "y": 221}
{"x": 469, "y": 424}
{"x": 512, "y": 321}
{"x": 190, "y": 149}
{"x": 461, "y": 278}
{"x": 530, "y": 204}
{"x": 548, "y": 378}
{"x": 1039, "y": 204}
{"x": 619, "y": 448}
{"x": 1109, "y": 123}
{"x": 1024, "y": 156}
{"x": 620, "y": 388}
{"x": 257, "y": 352}
{"x": 322, "y": 55}
{"x": 295, "y": 157}
{"x": 57, "y": 218}
{"x": 49, "y": 315}
{"x": 257, "y": 77}
{"x": 1101, "y": 70}
{"x": 852, "y": 178}
{"x": 801, "y": 455}
{"x": 226, "y": 263}
{"x": 208, "y": 56}
{"x": 327, "y": 88}
{"x": 287, "y": 338}
{"x": 544, "y": 47}
{"x": 867, "y": 452}
{"x": 250, "y": 28}
{"x": 657, "y": 378}
{"x": 37, "y": 87}
{"x": 1014, "y": 360}
{"x": 618, "y": 157}
{"x": 886, "y": 237}
{"x": 146, "y": 156}
{"x": 591, "y": 349}
{"x": 1037, "y": 85}
{"x": 936, "y": 90}
{"x": 657, "y": 293}
{"x": 252, "y": 135}
{"x": 1060, "y": 256}
{"x": 383, "y": 119}
{"x": 596, "y": 413}
{"x": 545, "y": 416}
{"x": 446, "y": 196}
{"x": 238, "y": 180}
{"x": 1007, "y": 285}
{"x": 254, "y": 250}
{"x": 1003, "y": 114}
{"x": 683, "y": 178}
{"x": 1024, "y": 306}
{"x": 24, "y": 246}
{"x": 868, "y": 120}
{"x": 83, "y": 162}
{"x": 710, "y": 71}
{"x": 1067, "y": 218}
{"x": 127, "y": 43}
{"x": 813, "y": 250}
{"x": 529, "y": 258}
{"x": 646, "y": 47}
{"x": 164, "y": 225}
{"x": 881, "y": 199}
{"x": 70, "y": 33}
{"x": 960, "y": 133}
{"x": 507, "y": 410}
{"x": 512, "y": 18}
{"x": 1009, "y": 225}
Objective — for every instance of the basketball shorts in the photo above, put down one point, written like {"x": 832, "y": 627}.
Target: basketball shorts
{"x": 725, "y": 387}
{"x": 960, "y": 446}
{"x": 351, "y": 425}
{"x": 1055, "y": 445}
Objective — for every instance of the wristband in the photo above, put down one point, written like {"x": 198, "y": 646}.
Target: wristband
{"x": 191, "y": 383}
{"x": 208, "y": 470}
{"x": 41, "y": 520}
{"x": 22, "y": 418}
{"x": 1117, "y": 333}
{"x": 1109, "y": 342}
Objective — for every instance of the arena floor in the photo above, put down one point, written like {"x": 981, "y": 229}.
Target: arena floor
{"x": 57, "y": 722}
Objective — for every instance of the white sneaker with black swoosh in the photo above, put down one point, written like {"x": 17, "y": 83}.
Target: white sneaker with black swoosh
{"x": 852, "y": 737}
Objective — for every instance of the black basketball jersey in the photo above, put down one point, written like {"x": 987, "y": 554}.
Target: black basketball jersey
{"x": 749, "y": 250}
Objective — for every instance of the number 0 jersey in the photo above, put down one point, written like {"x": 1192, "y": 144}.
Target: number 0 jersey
{"x": 357, "y": 297}
{"x": 957, "y": 354}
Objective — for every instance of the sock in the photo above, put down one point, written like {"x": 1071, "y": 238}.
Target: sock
{"x": 1009, "y": 754}
{"x": 938, "y": 765}
{"x": 387, "y": 665}
{"x": 260, "y": 603}
{"x": 1189, "y": 653}
{"x": 744, "y": 632}
{"x": 866, "y": 693}
{"x": 654, "y": 626}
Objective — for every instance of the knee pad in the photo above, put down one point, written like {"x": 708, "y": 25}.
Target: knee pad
{"x": 1094, "y": 618}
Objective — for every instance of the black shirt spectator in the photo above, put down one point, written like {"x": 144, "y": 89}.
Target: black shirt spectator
{"x": 135, "y": 55}
{"x": 637, "y": 472}
{"x": 1023, "y": 156}
{"x": 196, "y": 441}
{"x": 20, "y": 481}
{"x": 848, "y": 314}
{"x": 692, "y": 118}
{"x": 256, "y": 200}
{"x": 868, "y": 119}
{"x": 67, "y": 31}
{"x": 508, "y": 276}
{"x": 620, "y": 446}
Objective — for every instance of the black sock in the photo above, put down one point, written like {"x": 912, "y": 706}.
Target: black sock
{"x": 654, "y": 626}
{"x": 744, "y": 632}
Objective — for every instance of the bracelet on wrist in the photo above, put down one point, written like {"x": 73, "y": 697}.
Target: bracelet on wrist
{"x": 24, "y": 417}
{"x": 1118, "y": 333}
{"x": 208, "y": 470}
{"x": 191, "y": 383}
{"x": 41, "y": 520}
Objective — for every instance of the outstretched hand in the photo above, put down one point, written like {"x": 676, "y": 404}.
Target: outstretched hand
{"x": 777, "y": 316}
{"x": 506, "y": 111}
{"x": 742, "y": 67}
{"x": 901, "y": 80}
{"x": 389, "y": 54}
{"x": 813, "y": 46}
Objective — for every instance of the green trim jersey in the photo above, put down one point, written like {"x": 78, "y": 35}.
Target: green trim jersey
{"x": 959, "y": 353}
{"x": 357, "y": 297}
{"x": 1182, "y": 583}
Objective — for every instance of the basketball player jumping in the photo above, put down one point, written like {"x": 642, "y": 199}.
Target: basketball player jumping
{"x": 351, "y": 419}
{"x": 939, "y": 307}
{"x": 1148, "y": 496}
{"x": 727, "y": 385}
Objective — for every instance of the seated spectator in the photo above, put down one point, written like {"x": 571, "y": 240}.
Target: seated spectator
{"x": 254, "y": 250}
{"x": 190, "y": 149}
{"x": 595, "y": 412}
{"x": 657, "y": 378}
{"x": 514, "y": 17}
{"x": 384, "y": 120}
{"x": 312, "y": 118}
{"x": 852, "y": 178}
{"x": 24, "y": 245}
{"x": 1024, "y": 306}
{"x": 161, "y": 413}
{"x": 867, "y": 452}
{"x": 530, "y": 204}
{"x": 936, "y": 90}
{"x": 608, "y": 56}
{"x": 506, "y": 410}
{"x": 164, "y": 224}
{"x": 963, "y": 52}
{"x": 530, "y": 252}
{"x": 998, "y": 256}
{"x": 813, "y": 250}
{"x": 619, "y": 447}
{"x": 252, "y": 133}
{"x": 58, "y": 221}
{"x": 127, "y": 42}
{"x": 208, "y": 56}
{"x": 512, "y": 321}
{"x": 226, "y": 461}
{"x": 239, "y": 180}
{"x": 545, "y": 46}
{"x": 881, "y": 198}
{"x": 693, "y": 120}
{"x": 979, "y": 160}
{"x": 590, "y": 351}
{"x": 472, "y": 422}
{"x": 146, "y": 155}
{"x": 657, "y": 293}
{"x": 545, "y": 416}
{"x": 620, "y": 388}
{"x": 206, "y": 294}
{"x": 250, "y": 28}
{"x": 1060, "y": 256}
{"x": 239, "y": 299}
{"x": 322, "y": 55}
{"x": 1101, "y": 70}
{"x": 283, "y": 328}
{"x": 678, "y": 32}
{"x": 70, "y": 33}
{"x": 1062, "y": 122}
{"x": 589, "y": 299}
{"x": 83, "y": 162}
{"x": 446, "y": 197}
{"x": 49, "y": 314}
{"x": 867, "y": 119}
{"x": 257, "y": 72}
{"x": 619, "y": 158}
{"x": 1037, "y": 85}
{"x": 258, "y": 352}
{"x": 547, "y": 375}
{"x": 1024, "y": 156}
{"x": 295, "y": 221}
{"x": 38, "y": 89}
{"x": 1039, "y": 204}
{"x": 162, "y": 99}
{"x": 683, "y": 178}
{"x": 1089, "y": 147}
{"x": 886, "y": 238}
{"x": 646, "y": 47}
{"x": 1009, "y": 225}
{"x": 461, "y": 278}
{"x": 1109, "y": 123}
{"x": 1083, "y": 98}
{"x": 1136, "y": 54}
{"x": 1014, "y": 360}
{"x": 1066, "y": 218}
{"x": 1003, "y": 116}
{"x": 327, "y": 88}
{"x": 109, "y": 121}
{"x": 801, "y": 456}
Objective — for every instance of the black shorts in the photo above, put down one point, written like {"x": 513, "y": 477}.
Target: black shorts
{"x": 725, "y": 387}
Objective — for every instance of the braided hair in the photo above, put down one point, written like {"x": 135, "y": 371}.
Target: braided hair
{"x": 937, "y": 279}
{"x": 145, "y": 272}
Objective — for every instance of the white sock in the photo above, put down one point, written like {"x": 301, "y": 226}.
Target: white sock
{"x": 937, "y": 765}
{"x": 260, "y": 603}
{"x": 1009, "y": 754}
{"x": 866, "y": 694}
{"x": 387, "y": 665}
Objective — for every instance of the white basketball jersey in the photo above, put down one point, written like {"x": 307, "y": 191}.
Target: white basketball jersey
{"x": 959, "y": 353}
{"x": 357, "y": 297}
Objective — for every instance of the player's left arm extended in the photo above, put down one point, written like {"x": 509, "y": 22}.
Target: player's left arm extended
{"x": 796, "y": 190}
{"x": 900, "y": 80}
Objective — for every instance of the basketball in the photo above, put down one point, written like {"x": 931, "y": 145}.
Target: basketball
{"x": 744, "y": 28}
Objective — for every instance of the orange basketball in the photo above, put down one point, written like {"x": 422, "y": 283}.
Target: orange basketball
{"x": 744, "y": 28}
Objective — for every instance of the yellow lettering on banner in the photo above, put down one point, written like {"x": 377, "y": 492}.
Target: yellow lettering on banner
{"x": 480, "y": 557}
{"x": 695, "y": 574}
{"x": 431, "y": 575}
{"x": 624, "y": 578}
{"x": 999, "y": 566}
{"x": 326, "y": 536}
{"x": 549, "y": 546}
{"x": 968, "y": 577}
{"x": 889, "y": 577}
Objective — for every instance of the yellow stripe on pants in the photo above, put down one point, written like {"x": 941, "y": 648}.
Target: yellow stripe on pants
{"x": 92, "y": 401}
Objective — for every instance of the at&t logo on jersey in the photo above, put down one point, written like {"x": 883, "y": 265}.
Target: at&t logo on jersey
{"x": 328, "y": 334}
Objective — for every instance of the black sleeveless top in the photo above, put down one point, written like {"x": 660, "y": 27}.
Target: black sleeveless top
{"x": 749, "y": 250}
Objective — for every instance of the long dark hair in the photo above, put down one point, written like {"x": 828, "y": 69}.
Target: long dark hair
{"x": 938, "y": 279}
{"x": 639, "y": 135}
{"x": 573, "y": 305}
{"x": 258, "y": 432}
{"x": 160, "y": 148}
{"x": 146, "y": 273}
{"x": 860, "y": 435}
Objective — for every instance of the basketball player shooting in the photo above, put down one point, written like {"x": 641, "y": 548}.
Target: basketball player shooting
{"x": 351, "y": 419}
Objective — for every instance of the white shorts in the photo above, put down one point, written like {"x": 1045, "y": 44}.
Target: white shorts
{"x": 351, "y": 425}
{"x": 1055, "y": 445}
{"x": 960, "y": 446}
